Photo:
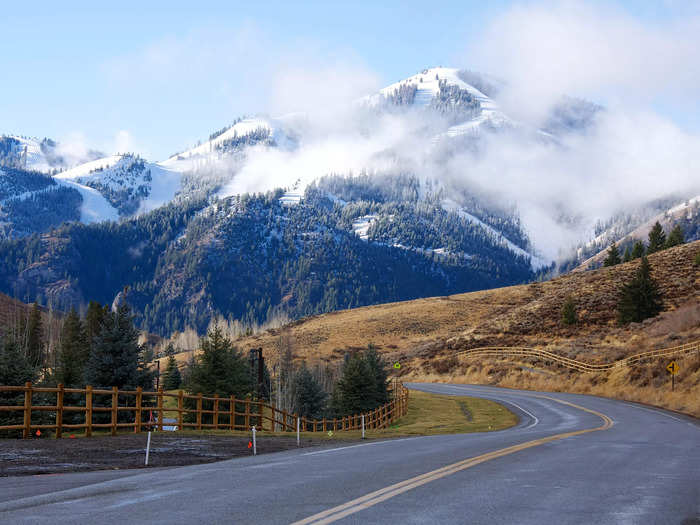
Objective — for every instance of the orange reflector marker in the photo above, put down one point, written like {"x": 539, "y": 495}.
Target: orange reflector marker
{"x": 38, "y": 433}
{"x": 250, "y": 444}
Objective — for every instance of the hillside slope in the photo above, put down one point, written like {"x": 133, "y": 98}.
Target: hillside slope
{"x": 424, "y": 335}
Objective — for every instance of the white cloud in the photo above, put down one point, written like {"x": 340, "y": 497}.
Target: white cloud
{"x": 591, "y": 50}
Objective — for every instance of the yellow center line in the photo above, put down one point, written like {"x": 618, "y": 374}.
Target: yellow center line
{"x": 368, "y": 500}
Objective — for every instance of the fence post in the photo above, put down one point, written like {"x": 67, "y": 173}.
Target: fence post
{"x": 232, "y": 410}
{"x": 26, "y": 432}
{"x": 260, "y": 415}
{"x": 324, "y": 423}
{"x": 199, "y": 411}
{"x": 59, "y": 411}
{"x": 298, "y": 424}
{"x": 180, "y": 409}
{"x": 363, "y": 426}
{"x": 247, "y": 413}
{"x": 137, "y": 418}
{"x": 215, "y": 419}
{"x": 160, "y": 408}
{"x": 88, "y": 410}
{"x": 115, "y": 402}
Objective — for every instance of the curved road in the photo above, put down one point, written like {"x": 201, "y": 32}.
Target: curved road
{"x": 570, "y": 459}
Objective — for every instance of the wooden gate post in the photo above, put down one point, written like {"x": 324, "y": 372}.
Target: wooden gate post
{"x": 232, "y": 416}
{"x": 88, "y": 410}
{"x": 27, "y": 430}
{"x": 115, "y": 402}
{"x": 137, "y": 419}
{"x": 160, "y": 408}
{"x": 59, "y": 411}
{"x": 247, "y": 414}
{"x": 216, "y": 412}
{"x": 199, "y": 411}
{"x": 180, "y": 409}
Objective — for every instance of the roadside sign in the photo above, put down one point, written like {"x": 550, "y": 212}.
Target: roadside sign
{"x": 397, "y": 365}
{"x": 673, "y": 368}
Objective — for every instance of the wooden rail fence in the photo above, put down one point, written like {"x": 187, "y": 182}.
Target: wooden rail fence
{"x": 140, "y": 410}
{"x": 581, "y": 366}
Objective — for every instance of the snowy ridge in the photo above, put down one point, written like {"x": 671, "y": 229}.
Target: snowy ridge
{"x": 193, "y": 157}
{"x": 150, "y": 185}
{"x": 428, "y": 87}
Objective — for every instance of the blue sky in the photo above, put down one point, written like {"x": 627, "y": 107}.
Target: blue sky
{"x": 155, "y": 79}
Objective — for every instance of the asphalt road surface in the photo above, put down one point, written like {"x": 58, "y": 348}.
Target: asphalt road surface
{"x": 571, "y": 459}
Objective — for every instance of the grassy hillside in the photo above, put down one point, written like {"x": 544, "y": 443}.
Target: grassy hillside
{"x": 424, "y": 335}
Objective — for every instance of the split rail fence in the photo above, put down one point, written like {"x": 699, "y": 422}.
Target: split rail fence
{"x": 581, "y": 366}
{"x": 138, "y": 410}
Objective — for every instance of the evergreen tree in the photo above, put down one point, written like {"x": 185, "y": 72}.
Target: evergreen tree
{"x": 74, "y": 352}
{"x": 219, "y": 368}
{"x": 676, "y": 237}
{"x": 172, "y": 379}
{"x": 613, "y": 257}
{"x": 378, "y": 368}
{"x": 35, "y": 338}
{"x": 309, "y": 399}
{"x": 568, "y": 312}
{"x": 657, "y": 239}
{"x": 640, "y": 298}
{"x": 15, "y": 369}
{"x": 356, "y": 389}
{"x": 638, "y": 250}
{"x": 116, "y": 357}
{"x": 94, "y": 317}
{"x": 628, "y": 255}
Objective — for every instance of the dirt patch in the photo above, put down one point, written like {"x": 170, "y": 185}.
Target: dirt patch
{"x": 44, "y": 456}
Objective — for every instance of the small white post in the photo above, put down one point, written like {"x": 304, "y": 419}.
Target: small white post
{"x": 363, "y": 426}
{"x": 298, "y": 425}
{"x": 255, "y": 448}
{"x": 148, "y": 447}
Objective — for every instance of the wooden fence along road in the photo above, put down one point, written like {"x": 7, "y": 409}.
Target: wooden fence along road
{"x": 581, "y": 366}
{"x": 139, "y": 410}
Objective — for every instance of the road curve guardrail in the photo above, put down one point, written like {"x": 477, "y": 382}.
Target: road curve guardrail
{"x": 574, "y": 364}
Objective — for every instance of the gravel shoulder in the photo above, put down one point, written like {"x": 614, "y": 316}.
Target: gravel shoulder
{"x": 127, "y": 451}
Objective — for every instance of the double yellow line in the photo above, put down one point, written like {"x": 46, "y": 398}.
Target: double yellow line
{"x": 371, "y": 499}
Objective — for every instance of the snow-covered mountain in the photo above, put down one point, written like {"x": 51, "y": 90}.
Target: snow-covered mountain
{"x": 45, "y": 155}
{"x": 126, "y": 183}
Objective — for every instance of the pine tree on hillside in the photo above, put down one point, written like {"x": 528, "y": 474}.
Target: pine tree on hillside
{"x": 638, "y": 250}
{"x": 116, "y": 357}
{"x": 613, "y": 257}
{"x": 657, "y": 239}
{"x": 676, "y": 237}
{"x": 309, "y": 399}
{"x": 219, "y": 368}
{"x": 172, "y": 379}
{"x": 628, "y": 255}
{"x": 35, "y": 338}
{"x": 74, "y": 352}
{"x": 568, "y": 312}
{"x": 640, "y": 298}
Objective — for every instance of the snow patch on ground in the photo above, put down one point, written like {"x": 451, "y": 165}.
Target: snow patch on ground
{"x": 360, "y": 226}
{"x": 95, "y": 207}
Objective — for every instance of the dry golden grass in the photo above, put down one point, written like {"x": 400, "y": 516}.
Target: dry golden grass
{"x": 428, "y": 414}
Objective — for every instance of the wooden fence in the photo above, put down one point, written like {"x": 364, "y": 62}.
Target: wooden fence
{"x": 141, "y": 410}
{"x": 581, "y": 366}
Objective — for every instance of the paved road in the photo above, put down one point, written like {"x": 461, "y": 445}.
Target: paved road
{"x": 645, "y": 468}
